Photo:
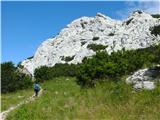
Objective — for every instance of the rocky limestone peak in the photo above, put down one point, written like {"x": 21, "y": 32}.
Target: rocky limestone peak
{"x": 139, "y": 17}
{"x": 79, "y": 21}
{"x": 141, "y": 14}
{"x": 102, "y": 15}
{"x": 73, "y": 40}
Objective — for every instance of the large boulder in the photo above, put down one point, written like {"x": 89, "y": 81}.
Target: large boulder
{"x": 145, "y": 78}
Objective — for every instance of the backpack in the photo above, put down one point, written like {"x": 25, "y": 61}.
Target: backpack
{"x": 36, "y": 87}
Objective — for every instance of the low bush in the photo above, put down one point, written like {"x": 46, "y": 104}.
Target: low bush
{"x": 111, "y": 34}
{"x": 95, "y": 38}
{"x": 46, "y": 73}
{"x": 68, "y": 58}
{"x": 128, "y": 21}
{"x": 155, "y": 15}
{"x": 30, "y": 57}
{"x": 140, "y": 12}
{"x": 20, "y": 65}
{"x": 120, "y": 63}
{"x": 155, "y": 30}
{"x": 83, "y": 42}
{"x": 42, "y": 73}
{"x": 96, "y": 47}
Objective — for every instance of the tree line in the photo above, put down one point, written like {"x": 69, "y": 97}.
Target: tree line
{"x": 12, "y": 79}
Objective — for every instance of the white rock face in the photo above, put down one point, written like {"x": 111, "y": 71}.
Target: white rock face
{"x": 144, "y": 78}
{"x": 145, "y": 85}
{"x": 72, "y": 41}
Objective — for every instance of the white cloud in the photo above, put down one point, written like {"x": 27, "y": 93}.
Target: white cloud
{"x": 152, "y": 7}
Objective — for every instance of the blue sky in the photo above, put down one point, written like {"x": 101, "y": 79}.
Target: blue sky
{"x": 25, "y": 25}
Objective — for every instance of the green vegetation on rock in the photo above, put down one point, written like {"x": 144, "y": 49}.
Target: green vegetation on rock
{"x": 19, "y": 65}
{"x": 83, "y": 42}
{"x": 96, "y": 47}
{"x": 155, "y": 15}
{"x": 128, "y": 21}
{"x": 68, "y": 58}
{"x": 111, "y": 34}
{"x": 30, "y": 57}
{"x": 95, "y": 38}
{"x": 155, "y": 30}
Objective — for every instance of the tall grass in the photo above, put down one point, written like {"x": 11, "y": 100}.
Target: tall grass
{"x": 64, "y": 99}
{"x": 11, "y": 99}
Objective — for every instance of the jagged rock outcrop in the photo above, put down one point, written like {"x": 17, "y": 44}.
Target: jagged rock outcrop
{"x": 72, "y": 41}
{"x": 145, "y": 78}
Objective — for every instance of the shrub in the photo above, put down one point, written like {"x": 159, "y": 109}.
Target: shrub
{"x": 95, "y": 38}
{"x": 96, "y": 47}
{"x": 12, "y": 79}
{"x": 156, "y": 15}
{"x": 156, "y": 54}
{"x": 111, "y": 34}
{"x": 139, "y": 11}
{"x": 63, "y": 70}
{"x": 82, "y": 43}
{"x": 155, "y": 30}
{"x": 128, "y": 21}
{"x": 46, "y": 73}
{"x": 68, "y": 58}
{"x": 114, "y": 66}
{"x": 82, "y": 25}
{"x": 30, "y": 57}
{"x": 20, "y": 65}
{"x": 43, "y": 73}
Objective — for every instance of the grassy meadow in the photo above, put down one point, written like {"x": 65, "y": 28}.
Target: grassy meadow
{"x": 63, "y": 99}
{"x": 11, "y": 99}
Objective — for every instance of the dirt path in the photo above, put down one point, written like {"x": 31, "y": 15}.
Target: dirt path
{"x": 28, "y": 100}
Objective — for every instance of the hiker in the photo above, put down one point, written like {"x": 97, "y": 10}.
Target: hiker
{"x": 36, "y": 88}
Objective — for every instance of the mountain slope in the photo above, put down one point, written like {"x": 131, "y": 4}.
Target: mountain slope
{"x": 71, "y": 45}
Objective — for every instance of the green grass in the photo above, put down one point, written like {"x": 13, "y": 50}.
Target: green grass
{"x": 65, "y": 100}
{"x": 10, "y": 99}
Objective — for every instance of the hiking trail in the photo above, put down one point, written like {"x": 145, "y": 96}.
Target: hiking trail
{"x": 28, "y": 100}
